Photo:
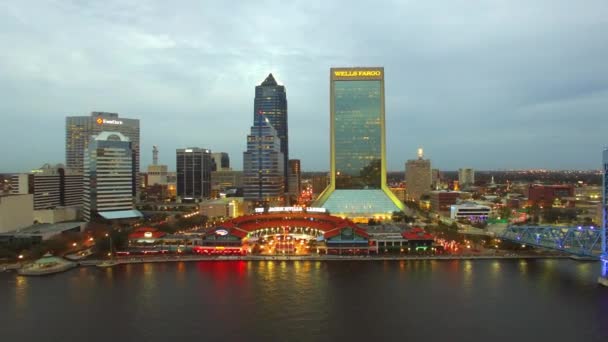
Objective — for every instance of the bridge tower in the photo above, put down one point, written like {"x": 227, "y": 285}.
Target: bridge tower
{"x": 603, "y": 278}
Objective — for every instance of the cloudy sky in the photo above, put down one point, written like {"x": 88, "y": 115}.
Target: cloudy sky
{"x": 494, "y": 84}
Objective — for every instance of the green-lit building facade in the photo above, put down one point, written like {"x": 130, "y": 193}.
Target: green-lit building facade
{"x": 358, "y": 189}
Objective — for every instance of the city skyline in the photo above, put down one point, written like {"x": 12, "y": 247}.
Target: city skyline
{"x": 503, "y": 82}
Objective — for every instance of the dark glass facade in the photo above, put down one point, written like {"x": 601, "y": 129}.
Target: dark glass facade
{"x": 271, "y": 101}
{"x": 193, "y": 171}
{"x": 358, "y": 134}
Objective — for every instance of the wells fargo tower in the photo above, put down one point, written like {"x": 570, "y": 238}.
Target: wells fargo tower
{"x": 358, "y": 187}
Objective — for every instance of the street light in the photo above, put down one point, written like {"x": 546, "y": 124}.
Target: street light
{"x": 20, "y": 256}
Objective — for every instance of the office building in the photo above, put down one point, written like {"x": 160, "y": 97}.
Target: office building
{"x": 16, "y": 212}
{"x": 263, "y": 165}
{"x": 470, "y": 211}
{"x": 295, "y": 179}
{"x": 157, "y": 173}
{"x": 80, "y": 129}
{"x": 418, "y": 177}
{"x": 193, "y": 167}
{"x": 222, "y": 181}
{"x": 443, "y": 200}
{"x": 51, "y": 185}
{"x": 221, "y": 161}
{"x": 109, "y": 178}
{"x": 358, "y": 188}
{"x": 546, "y": 195}
{"x": 466, "y": 178}
{"x": 271, "y": 102}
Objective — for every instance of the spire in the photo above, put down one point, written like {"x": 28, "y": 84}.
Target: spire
{"x": 269, "y": 81}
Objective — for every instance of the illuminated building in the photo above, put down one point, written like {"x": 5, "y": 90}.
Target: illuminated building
{"x": 193, "y": 167}
{"x": 109, "y": 177}
{"x": 295, "y": 179}
{"x": 271, "y": 101}
{"x": 466, "y": 177}
{"x": 471, "y": 211}
{"x": 263, "y": 168}
{"x": 358, "y": 186}
{"x": 80, "y": 129}
{"x": 418, "y": 177}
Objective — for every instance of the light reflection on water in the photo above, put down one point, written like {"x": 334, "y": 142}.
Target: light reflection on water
{"x": 312, "y": 300}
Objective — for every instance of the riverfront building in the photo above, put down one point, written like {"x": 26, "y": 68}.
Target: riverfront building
{"x": 193, "y": 166}
{"x": 418, "y": 177}
{"x": 263, "y": 165}
{"x": 271, "y": 102}
{"x": 109, "y": 177}
{"x": 358, "y": 188}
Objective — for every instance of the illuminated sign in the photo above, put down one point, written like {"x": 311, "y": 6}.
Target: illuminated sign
{"x": 102, "y": 121}
{"x": 358, "y": 73}
{"x": 188, "y": 150}
{"x": 292, "y": 210}
{"x": 148, "y": 234}
{"x": 221, "y": 232}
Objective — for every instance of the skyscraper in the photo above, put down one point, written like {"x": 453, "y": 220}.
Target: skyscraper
{"x": 417, "y": 176}
{"x": 358, "y": 152}
{"x": 109, "y": 177}
{"x": 271, "y": 101}
{"x": 193, "y": 167}
{"x": 263, "y": 168}
{"x": 80, "y": 129}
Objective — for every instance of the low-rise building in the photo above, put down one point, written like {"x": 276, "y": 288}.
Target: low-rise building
{"x": 16, "y": 212}
{"x": 443, "y": 200}
{"x": 223, "y": 207}
{"x": 470, "y": 211}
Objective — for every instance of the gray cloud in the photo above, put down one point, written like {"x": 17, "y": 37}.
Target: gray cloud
{"x": 486, "y": 84}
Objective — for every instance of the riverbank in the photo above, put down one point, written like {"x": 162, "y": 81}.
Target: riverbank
{"x": 156, "y": 259}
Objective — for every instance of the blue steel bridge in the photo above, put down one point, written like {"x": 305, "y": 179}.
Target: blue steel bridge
{"x": 584, "y": 241}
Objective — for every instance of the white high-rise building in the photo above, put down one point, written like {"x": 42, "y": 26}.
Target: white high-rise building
{"x": 109, "y": 177}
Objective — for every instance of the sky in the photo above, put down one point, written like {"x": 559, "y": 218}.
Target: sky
{"x": 494, "y": 84}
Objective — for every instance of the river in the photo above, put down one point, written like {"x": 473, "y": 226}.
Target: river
{"x": 459, "y": 300}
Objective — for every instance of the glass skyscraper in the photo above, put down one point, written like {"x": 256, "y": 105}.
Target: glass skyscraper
{"x": 357, "y": 146}
{"x": 271, "y": 101}
{"x": 193, "y": 168}
{"x": 263, "y": 168}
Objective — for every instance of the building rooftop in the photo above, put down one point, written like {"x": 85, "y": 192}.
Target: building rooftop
{"x": 359, "y": 202}
{"x": 120, "y": 214}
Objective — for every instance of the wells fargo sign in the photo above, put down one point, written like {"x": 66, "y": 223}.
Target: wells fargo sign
{"x": 358, "y": 73}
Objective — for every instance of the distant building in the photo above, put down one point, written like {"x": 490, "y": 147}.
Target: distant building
{"x": 295, "y": 178}
{"x": 221, "y": 161}
{"x": 271, "y": 102}
{"x": 443, "y": 200}
{"x": 470, "y": 211}
{"x": 157, "y": 173}
{"x": 545, "y": 195}
{"x": 418, "y": 177}
{"x": 263, "y": 165}
{"x": 226, "y": 180}
{"x": 466, "y": 178}
{"x": 228, "y": 207}
{"x": 80, "y": 129}
{"x": 109, "y": 178}
{"x": 435, "y": 179}
{"x": 358, "y": 187}
{"x": 193, "y": 173}
{"x": 16, "y": 212}
{"x": 319, "y": 183}
{"x": 51, "y": 185}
